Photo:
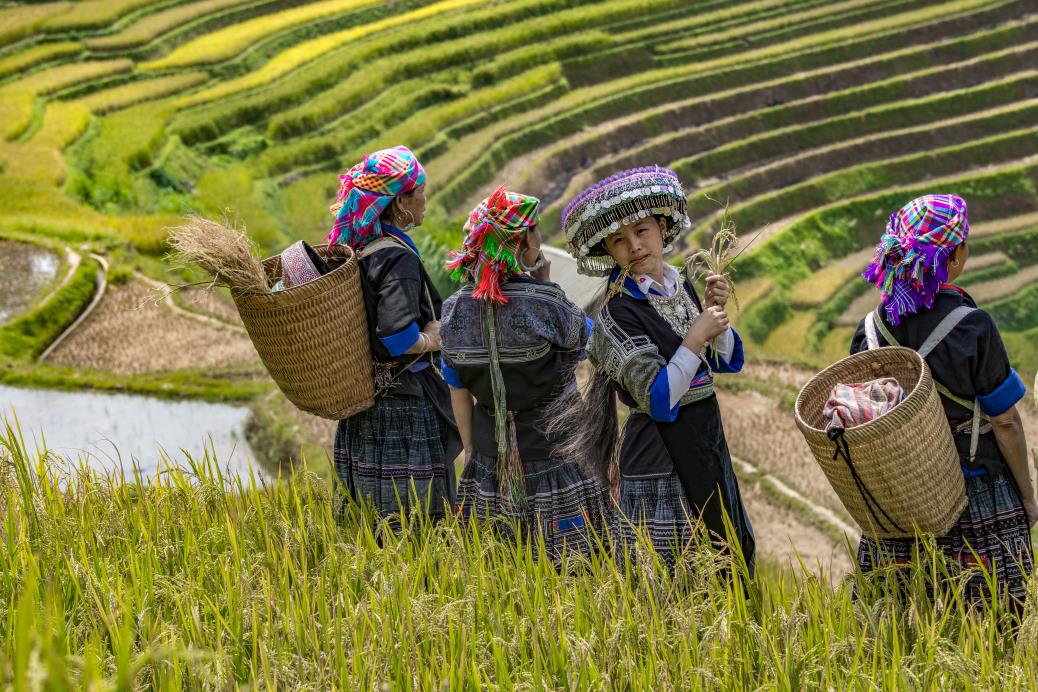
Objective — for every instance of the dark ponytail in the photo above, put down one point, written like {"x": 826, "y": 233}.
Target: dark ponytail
{"x": 586, "y": 421}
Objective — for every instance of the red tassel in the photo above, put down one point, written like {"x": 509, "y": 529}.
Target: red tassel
{"x": 489, "y": 286}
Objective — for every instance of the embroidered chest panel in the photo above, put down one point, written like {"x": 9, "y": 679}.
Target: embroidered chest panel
{"x": 679, "y": 310}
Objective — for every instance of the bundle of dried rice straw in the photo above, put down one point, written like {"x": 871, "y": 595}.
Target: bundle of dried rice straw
{"x": 720, "y": 256}
{"x": 224, "y": 250}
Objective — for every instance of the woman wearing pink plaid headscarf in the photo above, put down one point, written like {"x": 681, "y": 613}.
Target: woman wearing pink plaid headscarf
{"x": 399, "y": 454}
{"x": 922, "y": 252}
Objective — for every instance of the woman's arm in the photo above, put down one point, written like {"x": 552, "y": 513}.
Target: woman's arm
{"x": 461, "y": 402}
{"x": 1009, "y": 432}
{"x": 428, "y": 339}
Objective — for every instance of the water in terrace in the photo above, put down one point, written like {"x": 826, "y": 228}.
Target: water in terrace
{"x": 25, "y": 271}
{"x": 112, "y": 431}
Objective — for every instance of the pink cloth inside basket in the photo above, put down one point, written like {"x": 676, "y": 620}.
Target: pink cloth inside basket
{"x": 850, "y": 405}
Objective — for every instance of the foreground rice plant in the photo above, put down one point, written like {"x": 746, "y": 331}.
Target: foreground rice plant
{"x": 198, "y": 580}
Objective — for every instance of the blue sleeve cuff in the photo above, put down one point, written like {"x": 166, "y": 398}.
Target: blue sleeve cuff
{"x": 1005, "y": 395}
{"x": 590, "y": 324}
{"x": 397, "y": 344}
{"x": 450, "y": 375}
{"x": 719, "y": 364}
{"x": 659, "y": 399}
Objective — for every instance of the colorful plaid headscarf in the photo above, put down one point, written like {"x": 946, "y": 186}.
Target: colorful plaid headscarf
{"x": 493, "y": 232}
{"x": 367, "y": 189}
{"x": 490, "y": 253}
{"x": 911, "y": 259}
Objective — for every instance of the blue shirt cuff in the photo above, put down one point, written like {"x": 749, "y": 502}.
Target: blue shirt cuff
{"x": 719, "y": 364}
{"x": 1005, "y": 395}
{"x": 659, "y": 399}
{"x": 397, "y": 344}
{"x": 450, "y": 375}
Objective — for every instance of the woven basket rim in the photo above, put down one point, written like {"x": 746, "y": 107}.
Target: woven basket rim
{"x": 315, "y": 286}
{"x": 917, "y": 390}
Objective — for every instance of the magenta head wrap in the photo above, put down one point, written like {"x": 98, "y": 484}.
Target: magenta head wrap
{"x": 367, "y": 189}
{"x": 911, "y": 259}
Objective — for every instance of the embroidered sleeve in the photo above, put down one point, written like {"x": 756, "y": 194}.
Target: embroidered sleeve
{"x": 571, "y": 327}
{"x": 682, "y": 367}
{"x": 620, "y": 348}
{"x": 450, "y": 375}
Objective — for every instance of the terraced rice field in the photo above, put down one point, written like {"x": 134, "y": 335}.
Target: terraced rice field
{"x": 812, "y": 119}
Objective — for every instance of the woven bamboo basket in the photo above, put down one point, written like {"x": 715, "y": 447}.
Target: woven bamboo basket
{"x": 908, "y": 472}
{"x": 313, "y": 338}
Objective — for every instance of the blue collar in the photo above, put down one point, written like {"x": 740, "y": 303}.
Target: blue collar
{"x": 631, "y": 286}
{"x": 400, "y": 235}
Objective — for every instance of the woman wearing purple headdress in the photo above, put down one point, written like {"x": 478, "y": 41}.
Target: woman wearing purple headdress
{"x": 922, "y": 251}
{"x": 650, "y": 347}
{"x": 399, "y": 454}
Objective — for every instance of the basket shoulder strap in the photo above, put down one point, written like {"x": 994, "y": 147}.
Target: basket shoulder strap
{"x": 385, "y": 242}
{"x": 380, "y": 243}
{"x": 950, "y": 321}
{"x": 871, "y": 336}
{"x": 943, "y": 329}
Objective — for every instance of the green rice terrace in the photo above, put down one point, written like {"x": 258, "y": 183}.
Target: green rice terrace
{"x": 813, "y": 119}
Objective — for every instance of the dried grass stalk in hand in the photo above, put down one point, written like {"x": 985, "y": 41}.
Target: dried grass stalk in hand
{"x": 719, "y": 257}
{"x": 225, "y": 251}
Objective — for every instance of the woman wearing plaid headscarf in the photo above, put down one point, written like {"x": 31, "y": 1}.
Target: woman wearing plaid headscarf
{"x": 511, "y": 340}
{"x": 919, "y": 256}
{"x": 399, "y": 454}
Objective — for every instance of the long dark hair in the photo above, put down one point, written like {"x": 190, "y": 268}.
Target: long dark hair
{"x": 586, "y": 422}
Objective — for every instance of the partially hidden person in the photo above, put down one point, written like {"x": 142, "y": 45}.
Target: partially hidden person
{"x": 511, "y": 342}
{"x": 399, "y": 454}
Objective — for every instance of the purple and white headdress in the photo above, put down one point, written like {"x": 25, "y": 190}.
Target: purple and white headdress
{"x": 621, "y": 199}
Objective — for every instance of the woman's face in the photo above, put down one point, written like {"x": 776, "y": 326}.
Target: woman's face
{"x": 639, "y": 245}
{"x": 410, "y": 206}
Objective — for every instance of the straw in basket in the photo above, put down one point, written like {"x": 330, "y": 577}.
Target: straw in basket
{"x": 899, "y": 473}
{"x": 313, "y": 338}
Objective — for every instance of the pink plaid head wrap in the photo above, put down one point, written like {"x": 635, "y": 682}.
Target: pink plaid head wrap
{"x": 911, "y": 259}
{"x": 367, "y": 189}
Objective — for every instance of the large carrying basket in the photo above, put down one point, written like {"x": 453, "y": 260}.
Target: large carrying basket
{"x": 313, "y": 338}
{"x": 899, "y": 473}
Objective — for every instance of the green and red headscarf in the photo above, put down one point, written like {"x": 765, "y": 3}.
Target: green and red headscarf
{"x": 367, "y": 189}
{"x": 493, "y": 233}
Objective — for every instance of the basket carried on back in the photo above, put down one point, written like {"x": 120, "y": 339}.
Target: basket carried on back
{"x": 899, "y": 473}
{"x": 313, "y": 338}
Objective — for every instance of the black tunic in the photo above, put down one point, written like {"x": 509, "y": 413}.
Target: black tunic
{"x": 541, "y": 335}
{"x": 971, "y": 362}
{"x": 633, "y": 343}
{"x": 400, "y": 299}
{"x": 395, "y": 283}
